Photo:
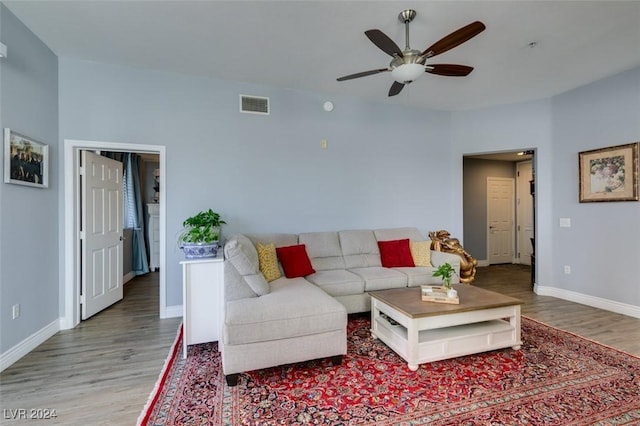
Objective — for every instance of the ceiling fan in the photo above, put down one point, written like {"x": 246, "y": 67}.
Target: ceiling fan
{"x": 409, "y": 64}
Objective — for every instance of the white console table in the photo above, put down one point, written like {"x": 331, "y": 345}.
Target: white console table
{"x": 202, "y": 300}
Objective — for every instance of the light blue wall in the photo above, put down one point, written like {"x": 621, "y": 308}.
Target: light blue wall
{"x": 603, "y": 244}
{"x": 383, "y": 166}
{"x": 509, "y": 128}
{"x": 28, "y": 216}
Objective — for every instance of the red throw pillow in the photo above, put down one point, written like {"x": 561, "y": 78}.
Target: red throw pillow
{"x": 395, "y": 253}
{"x": 295, "y": 261}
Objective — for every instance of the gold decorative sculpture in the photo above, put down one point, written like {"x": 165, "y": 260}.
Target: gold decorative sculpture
{"x": 441, "y": 241}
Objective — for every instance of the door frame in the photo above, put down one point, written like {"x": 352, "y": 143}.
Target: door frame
{"x": 70, "y": 253}
{"x": 520, "y": 229}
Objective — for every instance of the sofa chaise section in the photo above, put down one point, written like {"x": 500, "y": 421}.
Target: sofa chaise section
{"x": 291, "y": 320}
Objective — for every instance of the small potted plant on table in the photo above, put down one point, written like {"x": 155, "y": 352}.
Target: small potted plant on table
{"x": 446, "y": 271}
{"x": 201, "y": 235}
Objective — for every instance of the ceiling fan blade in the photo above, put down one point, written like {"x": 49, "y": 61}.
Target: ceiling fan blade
{"x": 385, "y": 44}
{"x": 451, "y": 70}
{"x": 362, "y": 74}
{"x": 454, "y": 39}
{"x": 395, "y": 88}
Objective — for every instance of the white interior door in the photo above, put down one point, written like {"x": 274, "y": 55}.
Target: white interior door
{"x": 524, "y": 209}
{"x": 500, "y": 215}
{"x": 101, "y": 233}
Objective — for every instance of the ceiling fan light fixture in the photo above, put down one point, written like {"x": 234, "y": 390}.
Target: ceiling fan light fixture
{"x": 409, "y": 64}
{"x": 406, "y": 73}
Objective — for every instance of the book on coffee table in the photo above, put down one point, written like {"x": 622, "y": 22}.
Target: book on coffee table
{"x": 437, "y": 293}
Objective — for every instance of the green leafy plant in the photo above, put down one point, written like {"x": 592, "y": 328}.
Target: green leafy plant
{"x": 445, "y": 271}
{"x": 202, "y": 228}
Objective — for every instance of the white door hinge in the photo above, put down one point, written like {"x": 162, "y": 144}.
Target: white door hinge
{"x": 82, "y": 235}
{"x": 82, "y": 299}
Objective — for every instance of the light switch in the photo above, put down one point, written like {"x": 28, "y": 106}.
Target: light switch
{"x": 324, "y": 144}
{"x": 565, "y": 222}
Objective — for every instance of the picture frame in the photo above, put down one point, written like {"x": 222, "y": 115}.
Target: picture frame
{"x": 609, "y": 174}
{"x": 26, "y": 161}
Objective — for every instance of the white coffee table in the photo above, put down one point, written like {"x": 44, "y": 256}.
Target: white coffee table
{"x": 423, "y": 332}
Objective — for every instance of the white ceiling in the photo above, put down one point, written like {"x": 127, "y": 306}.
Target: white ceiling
{"x": 306, "y": 45}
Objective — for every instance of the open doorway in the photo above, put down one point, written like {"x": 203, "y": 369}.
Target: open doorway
{"x": 71, "y": 251}
{"x": 506, "y": 170}
{"x": 119, "y": 213}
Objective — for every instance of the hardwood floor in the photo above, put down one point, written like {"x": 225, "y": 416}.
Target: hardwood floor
{"x": 102, "y": 371}
{"x": 615, "y": 330}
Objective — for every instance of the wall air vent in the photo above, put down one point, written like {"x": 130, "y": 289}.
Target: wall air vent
{"x": 254, "y": 104}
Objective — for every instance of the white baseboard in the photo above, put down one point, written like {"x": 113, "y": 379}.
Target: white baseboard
{"x": 484, "y": 262}
{"x": 128, "y": 277}
{"x": 172, "y": 311}
{"x": 585, "y": 299}
{"x": 9, "y": 357}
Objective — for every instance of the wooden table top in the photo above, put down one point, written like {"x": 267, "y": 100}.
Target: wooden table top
{"x": 409, "y": 302}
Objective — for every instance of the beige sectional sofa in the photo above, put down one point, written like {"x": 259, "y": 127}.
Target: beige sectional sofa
{"x": 296, "y": 319}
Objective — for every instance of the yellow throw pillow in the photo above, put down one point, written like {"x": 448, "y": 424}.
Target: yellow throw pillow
{"x": 421, "y": 252}
{"x": 268, "y": 261}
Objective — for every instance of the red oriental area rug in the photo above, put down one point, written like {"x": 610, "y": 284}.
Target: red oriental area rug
{"x": 557, "y": 378}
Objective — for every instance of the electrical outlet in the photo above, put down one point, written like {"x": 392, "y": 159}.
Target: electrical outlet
{"x": 16, "y": 311}
{"x": 567, "y": 269}
{"x": 324, "y": 144}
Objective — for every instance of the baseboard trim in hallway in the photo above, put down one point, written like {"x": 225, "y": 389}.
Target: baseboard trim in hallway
{"x": 14, "y": 354}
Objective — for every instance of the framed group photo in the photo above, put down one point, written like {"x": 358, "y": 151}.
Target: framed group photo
{"x": 609, "y": 174}
{"x": 25, "y": 160}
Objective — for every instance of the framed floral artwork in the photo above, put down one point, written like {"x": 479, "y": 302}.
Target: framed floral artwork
{"x": 609, "y": 174}
{"x": 25, "y": 160}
